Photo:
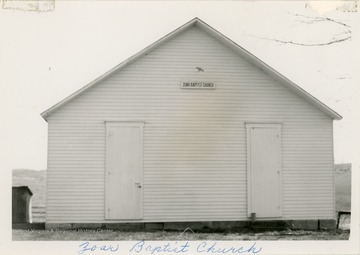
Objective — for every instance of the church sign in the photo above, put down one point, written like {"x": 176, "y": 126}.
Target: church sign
{"x": 197, "y": 85}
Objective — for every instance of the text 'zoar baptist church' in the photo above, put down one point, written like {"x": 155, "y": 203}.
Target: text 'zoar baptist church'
{"x": 197, "y": 85}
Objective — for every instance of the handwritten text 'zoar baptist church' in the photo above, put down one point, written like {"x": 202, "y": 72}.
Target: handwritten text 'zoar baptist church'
{"x": 142, "y": 247}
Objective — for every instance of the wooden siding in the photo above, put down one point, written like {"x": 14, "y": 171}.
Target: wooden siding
{"x": 194, "y": 140}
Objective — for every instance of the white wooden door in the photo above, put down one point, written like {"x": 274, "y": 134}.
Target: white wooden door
{"x": 124, "y": 163}
{"x": 264, "y": 170}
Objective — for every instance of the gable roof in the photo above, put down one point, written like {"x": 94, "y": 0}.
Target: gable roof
{"x": 227, "y": 42}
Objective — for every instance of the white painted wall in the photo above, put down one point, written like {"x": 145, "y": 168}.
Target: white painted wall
{"x": 194, "y": 140}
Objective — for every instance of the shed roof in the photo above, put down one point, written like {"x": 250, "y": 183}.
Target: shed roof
{"x": 226, "y": 41}
{"x": 22, "y": 188}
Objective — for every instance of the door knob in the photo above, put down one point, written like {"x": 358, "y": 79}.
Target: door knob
{"x": 138, "y": 185}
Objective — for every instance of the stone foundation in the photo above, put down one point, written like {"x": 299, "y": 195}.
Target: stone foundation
{"x": 29, "y": 226}
{"x": 327, "y": 224}
{"x": 304, "y": 224}
{"x": 206, "y": 226}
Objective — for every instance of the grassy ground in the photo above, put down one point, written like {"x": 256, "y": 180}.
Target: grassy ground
{"x": 102, "y": 235}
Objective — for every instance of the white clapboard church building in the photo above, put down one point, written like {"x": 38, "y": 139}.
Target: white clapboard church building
{"x": 193, "y": 129}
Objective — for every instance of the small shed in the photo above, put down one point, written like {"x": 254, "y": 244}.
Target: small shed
{"x": 193, "y": 128}
{"x": 21, "y": 204}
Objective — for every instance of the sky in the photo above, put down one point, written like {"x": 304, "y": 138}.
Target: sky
{"x": 46, "y": 56}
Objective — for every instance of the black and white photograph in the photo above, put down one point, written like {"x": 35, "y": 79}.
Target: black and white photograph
{"x": 192, "y": 127}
